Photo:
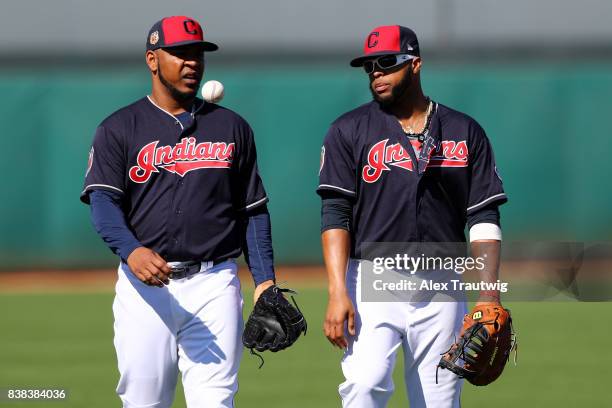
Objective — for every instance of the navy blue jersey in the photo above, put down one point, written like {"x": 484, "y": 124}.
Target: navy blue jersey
{"x": 184, "y": 188}
{"x": 405, "y": 191}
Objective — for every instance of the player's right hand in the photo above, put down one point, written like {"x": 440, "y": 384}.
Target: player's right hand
{"x": 148, "y": 266}
{"x": 340, "y": 310}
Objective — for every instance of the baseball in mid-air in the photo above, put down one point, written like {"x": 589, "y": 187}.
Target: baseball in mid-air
{"x": 212, "y": 91}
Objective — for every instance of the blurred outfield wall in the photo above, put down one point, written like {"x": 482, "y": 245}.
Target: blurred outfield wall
{"x": 549, "y": 125}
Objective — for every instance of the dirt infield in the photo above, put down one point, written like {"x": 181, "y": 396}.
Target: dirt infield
{"x": 103, "y": 280}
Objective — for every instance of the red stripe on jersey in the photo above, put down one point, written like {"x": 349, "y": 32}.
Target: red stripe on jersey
{"x": 406, "y": 164}
{"x": 182, "y": 168}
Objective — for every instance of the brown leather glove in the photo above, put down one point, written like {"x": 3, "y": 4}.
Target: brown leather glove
{"x": 484, "y": 345}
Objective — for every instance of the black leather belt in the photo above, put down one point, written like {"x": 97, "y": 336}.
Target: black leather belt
{"x": 188, "y": 268}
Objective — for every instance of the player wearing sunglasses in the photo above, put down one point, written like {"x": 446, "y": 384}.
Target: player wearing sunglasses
{"x": 402, "y": 169}
{"x": 386, "y": 62}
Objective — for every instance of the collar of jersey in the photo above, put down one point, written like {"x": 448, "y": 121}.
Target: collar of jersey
{"x": 197, "y": 105}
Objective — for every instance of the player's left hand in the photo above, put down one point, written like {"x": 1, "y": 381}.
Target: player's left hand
{"x": 260, "y": 288}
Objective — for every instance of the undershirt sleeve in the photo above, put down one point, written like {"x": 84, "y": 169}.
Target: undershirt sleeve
{"x": 336, "y": 211}
{"x": 109, "y": 221}
{"x": 259, "y": 254}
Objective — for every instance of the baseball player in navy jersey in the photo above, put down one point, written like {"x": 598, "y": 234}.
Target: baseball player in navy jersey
{"x": 175, "y": 192}
{"x": 401, "y": 169}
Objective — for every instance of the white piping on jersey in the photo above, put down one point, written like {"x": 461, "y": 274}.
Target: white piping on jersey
{"x": 256, "y": 203}
{"x": 197, "y": 110}
{"x": 486, "y": 201}
{"x": 485, "y": 230}
{"x": 101, "y": 185}
{"x": 165, "y": 111}
{"x": 337, "y": 188}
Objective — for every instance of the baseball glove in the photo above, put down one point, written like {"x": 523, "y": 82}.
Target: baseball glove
{"x": 484, "y": 345}
{"x": 274, "y": 324}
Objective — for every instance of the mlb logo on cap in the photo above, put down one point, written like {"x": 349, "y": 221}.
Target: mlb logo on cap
{"x": 176, "y": 31}
{"x": 386, "y": 40}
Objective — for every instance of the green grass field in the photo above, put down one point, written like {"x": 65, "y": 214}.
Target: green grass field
{"x": 65, "y": 340}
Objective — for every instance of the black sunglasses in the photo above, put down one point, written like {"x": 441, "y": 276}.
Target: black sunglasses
{"x": 386, "y": 62}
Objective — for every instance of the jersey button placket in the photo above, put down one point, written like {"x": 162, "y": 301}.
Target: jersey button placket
{"x": 174, "y": 226}
{"x": 177, "y": 212}
{"x": 179, "y": 183}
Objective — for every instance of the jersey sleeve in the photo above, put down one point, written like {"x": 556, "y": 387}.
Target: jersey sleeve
{"x": 485, "y": 183}
{"x": 337, "y": 168}
{"x": 251, "y": 193}
{"x": 106, "y": 164}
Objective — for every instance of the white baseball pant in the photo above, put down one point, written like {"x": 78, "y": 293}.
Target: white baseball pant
{"x": 424, "y": 330}
{"x": 193, "y": 325}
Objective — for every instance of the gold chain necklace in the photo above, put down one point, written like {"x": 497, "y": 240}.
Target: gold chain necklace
{"x": 409, "y": 130}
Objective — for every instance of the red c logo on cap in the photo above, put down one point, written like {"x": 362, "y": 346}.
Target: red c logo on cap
{"x": 373, "y": 42}
{"x": 191, "y": 27}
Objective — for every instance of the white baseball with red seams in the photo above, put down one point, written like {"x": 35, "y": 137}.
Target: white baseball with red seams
{"x": 213, "y": 91}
